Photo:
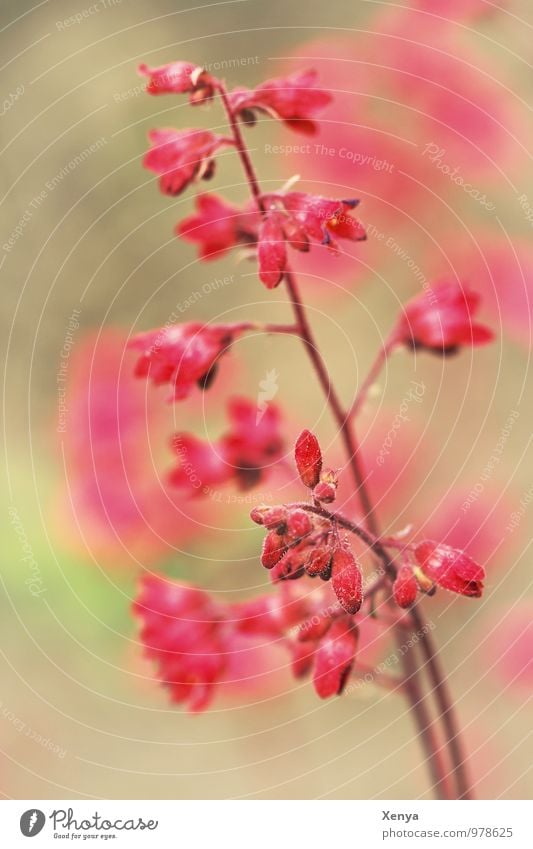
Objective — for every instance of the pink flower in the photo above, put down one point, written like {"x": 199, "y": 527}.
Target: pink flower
{"x": 113, "y": 506}
{"x": 450, "y": 568}
{"x": 442, "y": 319}
{"x": 294, "y": 99}
{"x": 243, "y": 455}
{"x": 321, "y": 218}
{"x": 183, "y": 632}
{"x": 203, "y": 464}
{"x": 271, "y": 251}
{"x": 254, "y": 441}
{"x": 180, "y": 78}
{"x": 181, "y": 157}
{"x": 218, "y": 226}
{"x": 184, "y": 355}
{"x": 334, "y": 658}
{"x": 200, "y": 645}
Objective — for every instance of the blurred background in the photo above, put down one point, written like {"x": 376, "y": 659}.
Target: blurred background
{"x": 430, "y": 128}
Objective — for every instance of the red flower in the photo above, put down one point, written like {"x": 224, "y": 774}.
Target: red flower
{"x": 198, "y": 643}
{"x": 308, "y": 458}
{"x": 183, "y": 355}
{"x": 321, "y": 218}
{"x": 450, "y": 568}
{"x": 271, "y": 251}
{"x": 334, "y": 658}
{"x": 405, "y": 587}
{"x": 180, "y": 78}
{"x": 294, "y": 99}
{"x": 254, "y": 441}
{"x": 441, "y": 320}
{"x": 181, "y": 157}
{"x": 203, "y": 464}
{"x": 182, "y": 632}
{"x": 218, "y": 226}
{"x": 244, "y": 454}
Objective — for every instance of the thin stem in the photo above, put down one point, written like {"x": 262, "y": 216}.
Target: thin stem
{"x": 242, "y": 150}
{"x": 446, "y": 708}
{"x": 372, "y": 376}
{"x": 352, "y": 449}
{"x": 426, "y": 728}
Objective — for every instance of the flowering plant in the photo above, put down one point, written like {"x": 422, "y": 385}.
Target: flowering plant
{"x": 316, "y": 555}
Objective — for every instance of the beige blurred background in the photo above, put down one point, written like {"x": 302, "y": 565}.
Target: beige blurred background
{"x": 97, "y": 238}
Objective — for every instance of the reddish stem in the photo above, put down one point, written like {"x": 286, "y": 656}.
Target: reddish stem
{"x": 372, "y": 375}
{"x": 426, "y": 727}
{"x": 446, "y": 708}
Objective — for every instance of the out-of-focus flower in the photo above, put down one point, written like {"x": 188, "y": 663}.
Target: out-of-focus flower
{"x": 244, "y": 454}
{"x": 506, "y": 643}
{"x": 182, "y": 631}
{"x": 202, "y": 646}
{"x": 334, "y": 658}
{"x": 441, "y": 320}
{"x": 295, "y": 100}
{"x": 459, "y": 10}
{"x": 181, "y": 157}
{"x": 184, "y": 355}
{"x": 450, "y": 568}
{"x": 180, "y": 78}
{"x": 218, "y": 226}
{"x": 503, "y": 272}
{"x": 253, "y": 442}
{"x": 115, "y": 506}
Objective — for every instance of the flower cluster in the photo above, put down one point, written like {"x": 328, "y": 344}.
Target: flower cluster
{"x": 183, "y": 157}
{"x": 304, "y": 540}
{"x": 191, "y": 636}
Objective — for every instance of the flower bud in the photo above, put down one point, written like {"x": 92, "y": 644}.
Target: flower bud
{"x": 290, "y": 566}
{"x": 257, "y": 514}
{"x": 326, "y": 488}
{"x": 450, "y": 568}
{"x": 325, "y": 492}
{"x": 308, "y": 458}
{"x": 299, "y": 524}
{"x": 318, "y": 562}
{"x": 347, "y": 580}
{"x": 275, "y": 517}
{"x": 405, "y": 587}
{"x": 273, "y": 550}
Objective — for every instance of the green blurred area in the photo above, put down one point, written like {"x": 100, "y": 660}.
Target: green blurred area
{"x": 100, "y": 240}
